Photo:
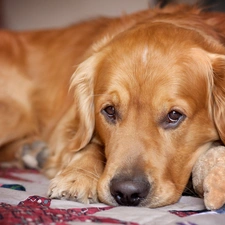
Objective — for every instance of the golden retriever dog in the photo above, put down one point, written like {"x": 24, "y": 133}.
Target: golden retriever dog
{"x": 147, "y": 98}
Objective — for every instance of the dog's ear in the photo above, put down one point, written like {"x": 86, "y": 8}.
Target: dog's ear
{"x": 82, "y": 85}
{"x": 218, "y": 93}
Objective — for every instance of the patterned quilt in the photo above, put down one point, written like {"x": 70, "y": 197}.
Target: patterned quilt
{"x": 23, "y": 200}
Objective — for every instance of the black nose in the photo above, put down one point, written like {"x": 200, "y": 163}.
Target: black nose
{"x": 129, "y": 192}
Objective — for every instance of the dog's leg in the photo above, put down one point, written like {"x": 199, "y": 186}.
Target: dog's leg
{"x": 80, "y": 171}
{"x": 17, "y": 126}
{"x": 208, "y": 177}
{"x": 18, "y": 122}
{"x": 28, "y": 152}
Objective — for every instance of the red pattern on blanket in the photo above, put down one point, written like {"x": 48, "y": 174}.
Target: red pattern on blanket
{"x": 36, "y": 210}
{"x": 8, "y": 173}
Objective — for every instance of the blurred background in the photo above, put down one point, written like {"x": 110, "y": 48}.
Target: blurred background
{"x": 39, "y": 14}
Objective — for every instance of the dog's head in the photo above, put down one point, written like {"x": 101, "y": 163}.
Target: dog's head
{"x": 154, "y": 96}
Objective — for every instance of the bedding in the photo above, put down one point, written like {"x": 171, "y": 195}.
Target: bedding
{"x": 23, "y": 200}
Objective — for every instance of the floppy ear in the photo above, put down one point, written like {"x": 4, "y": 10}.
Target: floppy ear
{"x": 218, "y": 91}
{"x": 82, "y": 83}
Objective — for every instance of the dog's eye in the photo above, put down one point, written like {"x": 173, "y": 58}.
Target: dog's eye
{"x": 110, "y": 113}
{"x": 174, "y": 116}
{"x": 172, "y": 119}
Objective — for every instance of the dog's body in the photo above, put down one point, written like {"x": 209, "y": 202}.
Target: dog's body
{"x": 145, "y": 101}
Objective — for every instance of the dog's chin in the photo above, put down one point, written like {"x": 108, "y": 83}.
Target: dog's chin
{"x": 158, "y": 196}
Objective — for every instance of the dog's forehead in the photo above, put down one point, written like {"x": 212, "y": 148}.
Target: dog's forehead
{"x": 136, "y": 64}
{"x": 155, "y": 61}
{"x": 155, "y": 46}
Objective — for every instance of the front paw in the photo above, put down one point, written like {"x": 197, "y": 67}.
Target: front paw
{"x": 76, "y": 185}
{"x": 80, "y": 171}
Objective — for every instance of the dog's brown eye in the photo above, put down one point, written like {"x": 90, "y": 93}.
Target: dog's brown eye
{"x": 110, "y": 110}
{"x": 174, "y": 116}
{"x": 172, "y": 120}
{"x": 110, "y": 113}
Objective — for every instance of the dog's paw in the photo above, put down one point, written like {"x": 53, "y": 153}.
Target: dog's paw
{"x": 78, "y": 178}
{"x": 214, "y": 188}
{"x": 34, "y": 155}
{"x": 76, "y": 185}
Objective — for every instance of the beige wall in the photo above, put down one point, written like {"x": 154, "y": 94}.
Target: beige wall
{"x": 35, "y": 14}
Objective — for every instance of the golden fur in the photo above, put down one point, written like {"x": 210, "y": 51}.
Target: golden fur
{"x": 147, "y": 99}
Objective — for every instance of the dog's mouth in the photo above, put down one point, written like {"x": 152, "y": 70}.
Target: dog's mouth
{"x": 138, "y": 191}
